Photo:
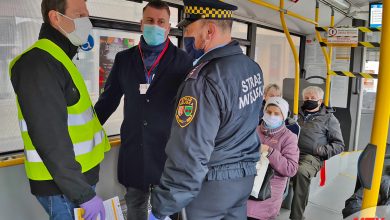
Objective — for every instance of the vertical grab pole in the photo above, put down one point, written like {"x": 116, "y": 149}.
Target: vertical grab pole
{"x": 326, "y": 101}
{"x": 319, "y": 39}
{"x": 296, "y": 58}
{"x": 329, "y": 66}
{"x": 381, "y": 116}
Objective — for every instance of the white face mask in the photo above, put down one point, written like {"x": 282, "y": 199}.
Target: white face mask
{"x": 83, "y": 27}
{"x": 272, "y": 121}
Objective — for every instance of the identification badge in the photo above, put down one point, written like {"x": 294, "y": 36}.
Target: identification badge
{"x": 143, "y": 88}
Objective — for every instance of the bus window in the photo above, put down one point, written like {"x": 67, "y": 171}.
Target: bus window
{"x": 240, "y": 30}
{"x": 20, "y": 22}
{"x": 124, "y": 10}
{"x": 273, "y": 53}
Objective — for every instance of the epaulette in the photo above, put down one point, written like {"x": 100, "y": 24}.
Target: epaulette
{"x": 195, "y": 72}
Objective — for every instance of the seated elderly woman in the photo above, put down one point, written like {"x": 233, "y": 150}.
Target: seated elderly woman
{"x": 283, "y": 153}
{"x": 319, "y": 140}
{"x": 271, "y": 90}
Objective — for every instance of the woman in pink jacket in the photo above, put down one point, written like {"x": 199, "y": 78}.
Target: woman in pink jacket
{"x": 283, "y": 154}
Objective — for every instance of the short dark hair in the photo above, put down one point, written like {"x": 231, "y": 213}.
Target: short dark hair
{"x": 158, "y": 4}
{"x": 48, "y": 5}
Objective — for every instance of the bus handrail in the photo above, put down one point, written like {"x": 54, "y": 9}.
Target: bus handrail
{"x": 380, "y": 125}
{"x": 18, "y": 159}
{"x": 282, "y": 9}
{"x": 296, "y": 59}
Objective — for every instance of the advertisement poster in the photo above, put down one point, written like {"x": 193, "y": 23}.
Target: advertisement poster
{"x": 109, "y": 47}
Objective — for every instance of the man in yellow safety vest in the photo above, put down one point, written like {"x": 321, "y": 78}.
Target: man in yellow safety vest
{"x": 63, "y": 139}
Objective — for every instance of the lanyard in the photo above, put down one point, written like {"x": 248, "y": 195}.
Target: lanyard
{"x": 148, "y": 77}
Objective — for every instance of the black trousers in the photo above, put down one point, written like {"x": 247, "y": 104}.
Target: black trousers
{"x": 137, "y": 202}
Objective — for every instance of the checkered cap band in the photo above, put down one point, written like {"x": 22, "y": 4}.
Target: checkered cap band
{"x": 207, "y": 12}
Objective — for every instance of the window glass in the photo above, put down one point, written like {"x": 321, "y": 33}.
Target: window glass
{"x": 174, "y": 19}
{"x": 274, "y": 55}
{"x": 116, "y": 9}
{"x": 240, "y": 30}
{"x": 123, "y": 10}
{"x": 370, "y": 85}
{"x": 20, "y": 22}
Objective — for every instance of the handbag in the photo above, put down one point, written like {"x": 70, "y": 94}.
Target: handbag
{"x": 262, "y": 185}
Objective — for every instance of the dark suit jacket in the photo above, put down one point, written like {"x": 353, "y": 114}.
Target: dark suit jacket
{"x": 147, "y": 117}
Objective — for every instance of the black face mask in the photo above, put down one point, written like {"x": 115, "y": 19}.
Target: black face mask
{"x": 189, "y": 43}
{"x": 309, "y": 105}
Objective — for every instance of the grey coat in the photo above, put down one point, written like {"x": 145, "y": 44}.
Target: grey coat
{"x": 320, "y": 134}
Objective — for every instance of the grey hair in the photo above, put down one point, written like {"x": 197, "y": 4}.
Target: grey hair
{"x": 272, "y": 86}
{"x": 314, "y": 89}
{"x": 224, "y": 25}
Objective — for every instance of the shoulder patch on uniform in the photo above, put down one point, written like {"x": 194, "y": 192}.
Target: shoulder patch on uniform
{"x": 193, "y": 74}
{"x": 186, "y": 110}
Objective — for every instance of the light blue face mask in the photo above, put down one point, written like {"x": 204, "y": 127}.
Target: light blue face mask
{"x": 272, "y": 122}
{"x": 154, "y": 35}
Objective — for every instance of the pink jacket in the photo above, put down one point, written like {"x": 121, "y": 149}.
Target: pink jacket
{"x": 284, "y": 160}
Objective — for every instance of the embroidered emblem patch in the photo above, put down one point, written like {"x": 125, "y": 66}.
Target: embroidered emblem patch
{"x": 186, "y": 110}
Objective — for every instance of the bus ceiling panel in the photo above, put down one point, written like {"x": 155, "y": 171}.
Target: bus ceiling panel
{"x": 361, "y": 3}
{"x": 20, "y": 8}
{"x": 306, "y": 8}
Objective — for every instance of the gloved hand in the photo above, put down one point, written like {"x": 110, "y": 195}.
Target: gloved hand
{"x": 93, "y": 208}
{"x": 152, "y": 217}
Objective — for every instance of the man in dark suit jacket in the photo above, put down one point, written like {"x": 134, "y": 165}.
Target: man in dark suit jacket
{"x": 148, "y": 75}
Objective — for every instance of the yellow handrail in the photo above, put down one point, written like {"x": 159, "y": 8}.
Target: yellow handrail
{"x": 19, "y": 159}
{"x": 328, "y": 76}
{"x": 296, "y": 59}
{"x": 327, "y": 59}
{"x": 295, "y": 15}
{"x": 381, "y": 116}
{"x": 276, "y": 8}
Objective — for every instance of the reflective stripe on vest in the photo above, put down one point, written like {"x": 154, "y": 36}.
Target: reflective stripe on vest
{"x": 73, "y": 119}
{"x": 32, "y": 156}
{"x": 87, "y": 135}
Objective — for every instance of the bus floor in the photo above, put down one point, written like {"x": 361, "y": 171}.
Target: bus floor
{"x": 327, "y": 202}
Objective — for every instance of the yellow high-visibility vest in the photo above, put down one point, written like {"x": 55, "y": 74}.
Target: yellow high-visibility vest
{"x": 88, "y": 137}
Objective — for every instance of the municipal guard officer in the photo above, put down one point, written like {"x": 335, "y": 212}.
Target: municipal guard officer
{"x": 213, "y": 147}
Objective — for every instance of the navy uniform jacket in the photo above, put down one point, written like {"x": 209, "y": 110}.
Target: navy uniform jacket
{"x": 147, "y": 118}
{"x": 213, "y": 135}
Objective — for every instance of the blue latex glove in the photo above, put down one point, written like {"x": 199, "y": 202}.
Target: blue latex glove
{"x": 152, "y": 217}
{"x": 93, "y": 208}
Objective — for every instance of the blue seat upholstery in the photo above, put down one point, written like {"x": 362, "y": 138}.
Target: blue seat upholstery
{"x": 294, "y": 128}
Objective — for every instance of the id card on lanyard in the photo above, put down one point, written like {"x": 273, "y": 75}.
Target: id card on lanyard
{"x": 143, "y": 88}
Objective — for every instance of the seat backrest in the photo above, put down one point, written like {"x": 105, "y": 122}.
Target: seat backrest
{"x": 288, "y": 87}
{"x": 293, "y": 127}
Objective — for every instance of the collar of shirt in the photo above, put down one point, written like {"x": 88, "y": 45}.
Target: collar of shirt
{"x": 197, "y": 60}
